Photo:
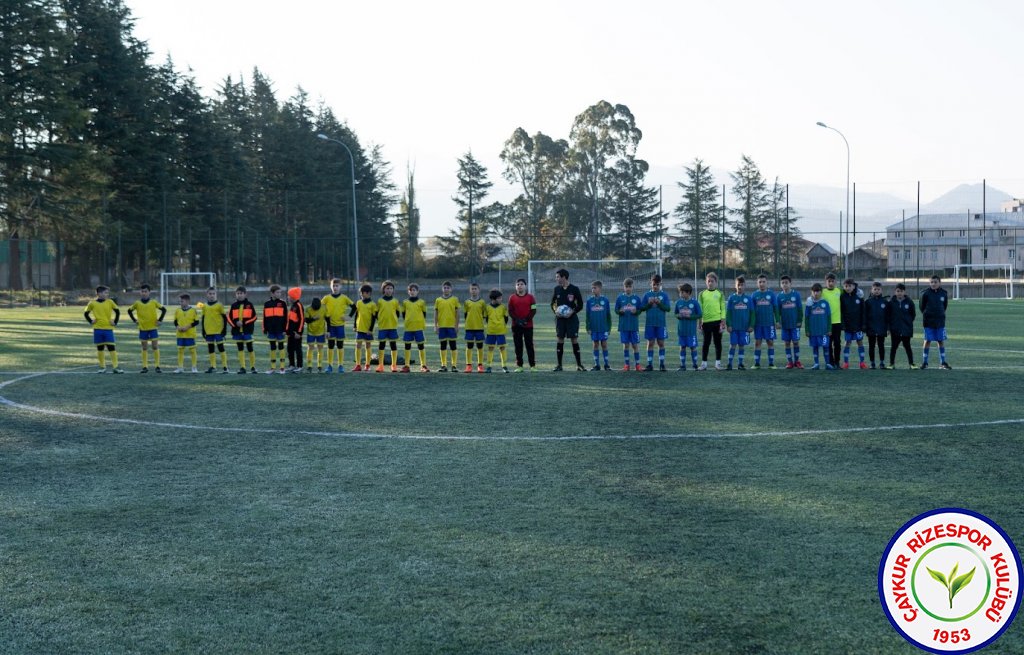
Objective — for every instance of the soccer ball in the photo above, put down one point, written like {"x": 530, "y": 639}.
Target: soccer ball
{"x": 563, "y": 311}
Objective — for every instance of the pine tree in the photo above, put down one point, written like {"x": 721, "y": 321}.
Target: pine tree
{"x": 750, "y": 219}
{"x": 464, "y": 241}
{"x": 407, "y": 224}
{"x": 634, "y": 212}
{"x": 699, "y": 215}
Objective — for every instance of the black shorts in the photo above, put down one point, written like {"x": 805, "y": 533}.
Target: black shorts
{"x": 567, "y": 327}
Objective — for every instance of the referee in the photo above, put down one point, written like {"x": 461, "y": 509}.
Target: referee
{"x": 567, "y": 294}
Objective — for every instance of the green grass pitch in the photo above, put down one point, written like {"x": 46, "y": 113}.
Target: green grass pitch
{"x": 425, "y": 513}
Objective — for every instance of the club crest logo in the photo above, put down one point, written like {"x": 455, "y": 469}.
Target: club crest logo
{"x": 949, "y": 581}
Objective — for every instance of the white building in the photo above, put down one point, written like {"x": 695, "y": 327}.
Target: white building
{"x": 938, "y": 242}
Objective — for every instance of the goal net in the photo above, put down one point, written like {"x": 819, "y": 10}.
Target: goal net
{"x": 540, "y": 273}
{"x": 194, "y": 283}
{"x": 983, "y": 281}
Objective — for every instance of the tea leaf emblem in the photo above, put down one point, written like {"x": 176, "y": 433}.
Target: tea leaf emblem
{"x": 952, "y": 583}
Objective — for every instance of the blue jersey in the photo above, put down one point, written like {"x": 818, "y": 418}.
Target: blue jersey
{"x": 739, "y": 312}
{"x": 628, "y": 321}
{"x": 656, "y": 313}
{"x": 687, "y": 311}
{"x": 789, "y": 310}
{"x": 599, "y": 314}
{"x": 764, "y": 308}
{"x": 819, "y": 318}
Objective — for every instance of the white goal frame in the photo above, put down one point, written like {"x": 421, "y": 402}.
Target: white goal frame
{"x": 1007, "y": 282}
{"x": 164, "y": 277}
{"x": 568, "y": 263}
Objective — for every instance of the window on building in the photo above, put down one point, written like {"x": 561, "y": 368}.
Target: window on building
{"x": 963, "y": 233}
{"x": 1002, "y": 233}
{"x": 935, "y": 254}
{"x": 1012, "y": 254}
{"x": 896, "y": 253}
{"x": 906, "y": 254}
{"x": 942, "y": 233}
{"x": 896, "y": 235}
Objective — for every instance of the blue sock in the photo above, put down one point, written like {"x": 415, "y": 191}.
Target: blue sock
{"x": 636, "y": 356}
{"x": 625, "y": 356}
{"x": 596, "y": 353}
{"x": 796, "y": 352}
{"x": 693, "y": 353}
{"x": 846, "y": 353}
{"x": 942, "y": 353}
{"x": 605, "y": 354}
{"x": 661, "y": 356}
{"x": 789, "y": 354}
{"x": 771, "y": 357}
{"x": 682, "y": 356}
{"x": 816, "y": 362}
{"x": 741, "y": 355}
{"x": 732, "y": 353}
{"x": 925, "y": 355}
{"x": 860, "y": 352}
{"x": 757, "y": 357}
{"x": 650, "y": 355}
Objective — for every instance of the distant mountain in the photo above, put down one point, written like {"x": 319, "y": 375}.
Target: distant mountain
{"x": 967, "y": 197}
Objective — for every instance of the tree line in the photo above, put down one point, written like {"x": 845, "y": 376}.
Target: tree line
{"x": 133, "y": 170}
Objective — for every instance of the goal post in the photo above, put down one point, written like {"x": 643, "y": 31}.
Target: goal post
{"x": 185, "y": 281}
{"x": 540, "y": 273}
{"x": 972, "y": 281}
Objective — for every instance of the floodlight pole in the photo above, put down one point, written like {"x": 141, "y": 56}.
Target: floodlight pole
{"x": 355, "y": 223}
{"x": 846, "y": 257}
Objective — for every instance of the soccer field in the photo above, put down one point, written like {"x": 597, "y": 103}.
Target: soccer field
{"x": 598, "y": 512}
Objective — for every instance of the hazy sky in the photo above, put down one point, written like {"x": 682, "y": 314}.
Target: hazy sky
{"x": 926, "y": 91}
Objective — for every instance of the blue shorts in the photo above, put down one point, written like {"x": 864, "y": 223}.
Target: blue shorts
{"x": 364, "y": 336}
{"x": 654, "y": 332}
{"x": 148, "y": 335}
{"x": 474, "y": 335}
{"x": 854, "y": 336}
{"x": 320, "y": 338}
{"x": 629, "y": 336}
{"x": 214, "y": 338}
{"x": 819, "y": 341}
{"x": 241, "y": 337}
{"x": 737, "y": 338}
{"x": 336, "y": 331}
{"x": 275, "y": 336}
{"x": 599, "y": 336}
{"x": 102, "y": 336}
{"x": 764, "y": 332}
{"x": 186, "y": 343}
{"x": 935, "y": 334}
{"x": 447, "y": 334}
{"x": 790, "y": 334}
{"x": 494, "y": 339}
{"x": 387, "y": 335}
{"x": 687, "y": 342}
{"x": 414, "y": 335}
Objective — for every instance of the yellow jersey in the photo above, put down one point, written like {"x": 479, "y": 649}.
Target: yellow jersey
{"x": 832, "y": 296}
{"x": 214, "y": 319}
{"x": 366, "y": 310}
{"x": 147, "y": 313}
{"x": 188, "y": 318}
{"x": 497, "y": 317}
{"x": 316, "y": 322}
{"x": 446, "y": 312}
{"x": 414, "y": 311}
{"x": 336, "y": 309}
{"x": 387, "y": 313}
{"x": 104, "y": 313}
{"x": 474, "y": 313}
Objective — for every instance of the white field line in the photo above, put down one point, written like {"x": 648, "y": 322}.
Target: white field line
{"x": 433, "y": 437}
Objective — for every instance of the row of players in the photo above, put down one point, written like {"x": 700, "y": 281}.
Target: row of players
{"x": 828, "y": 314}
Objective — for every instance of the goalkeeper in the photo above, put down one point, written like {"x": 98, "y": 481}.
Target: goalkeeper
{"x": 522, "y": 307}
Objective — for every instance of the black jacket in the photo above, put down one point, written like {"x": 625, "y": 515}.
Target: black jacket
{"x": 901, "y": 317}
{"x": 851, "y": 310}
{"x": 876, "y": 315}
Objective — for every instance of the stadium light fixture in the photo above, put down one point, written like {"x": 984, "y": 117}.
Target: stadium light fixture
{"x": 846, "y": 257}
{"x": 355, "y": 222}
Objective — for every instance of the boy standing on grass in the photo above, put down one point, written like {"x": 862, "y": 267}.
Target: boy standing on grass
{"x": 388, "y": 309}
{"x": 473, "y": 312}
{"x": 242, "y": 319}
{"x": 901, "y": 325}
{"x": 738, "y": 315}
{"x": 446, "y": 325}
{"x": 186, "y": 318}
{"x": 316, "y": 335}
{"x": 414, "y": 320}
{"x": 294, "y": 328}
{"x": 876, "y": 323}
{"x": 214, "y": 328}
{"x": 103, "y": 319}
{"x": 598, "y": 323}
{"x": 627, "y": 306}
{"x": 934, "y": 302}
{"x": 832, "y": 294}
{"x": 567, "y": 326}
{"x": 818, "y": 315}
{"x": 148, "y": 314}
{"x": 712, "y": 322}
{"x": 337, "y": 308}
{"x": 657, "y": 304}
{"x": 496, "y": 316}
{"x": 790, "y": 314}
{"x": 522, "y": 307}
{"x": 275, "y": 322}
{"x": 687, "y": 311}
{"x": 366, "y": 316}
{"x": 852, "y": 308}
{"x": 764, "y": 320}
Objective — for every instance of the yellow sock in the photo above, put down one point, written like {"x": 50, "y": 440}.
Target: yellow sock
{"x": 341, "y": 353}
{"x": 192, "y": 355}
{"x": 213, "y": 360}
{"x": 101, "y": 355}
{"x": 309, "y": 356}
{"x": 479, "y": 355}
{"x": 273, "y": 358}
{"x": 224, "y": 359}
{"x": 469, "y": 356}
{"x": 156, "y": 357}
{"x": 113, "y": 358}
{"x": 145, "y": 358}
{"x": 455, "y": 357}
{"x": 282, "y": 354}
{"x": 241, "y": 359}
{"x": 444, "y": 358}
{"x": 252, "y": 358}
{"x": 181, "y": 356}
{"x": 501, "y": 352}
